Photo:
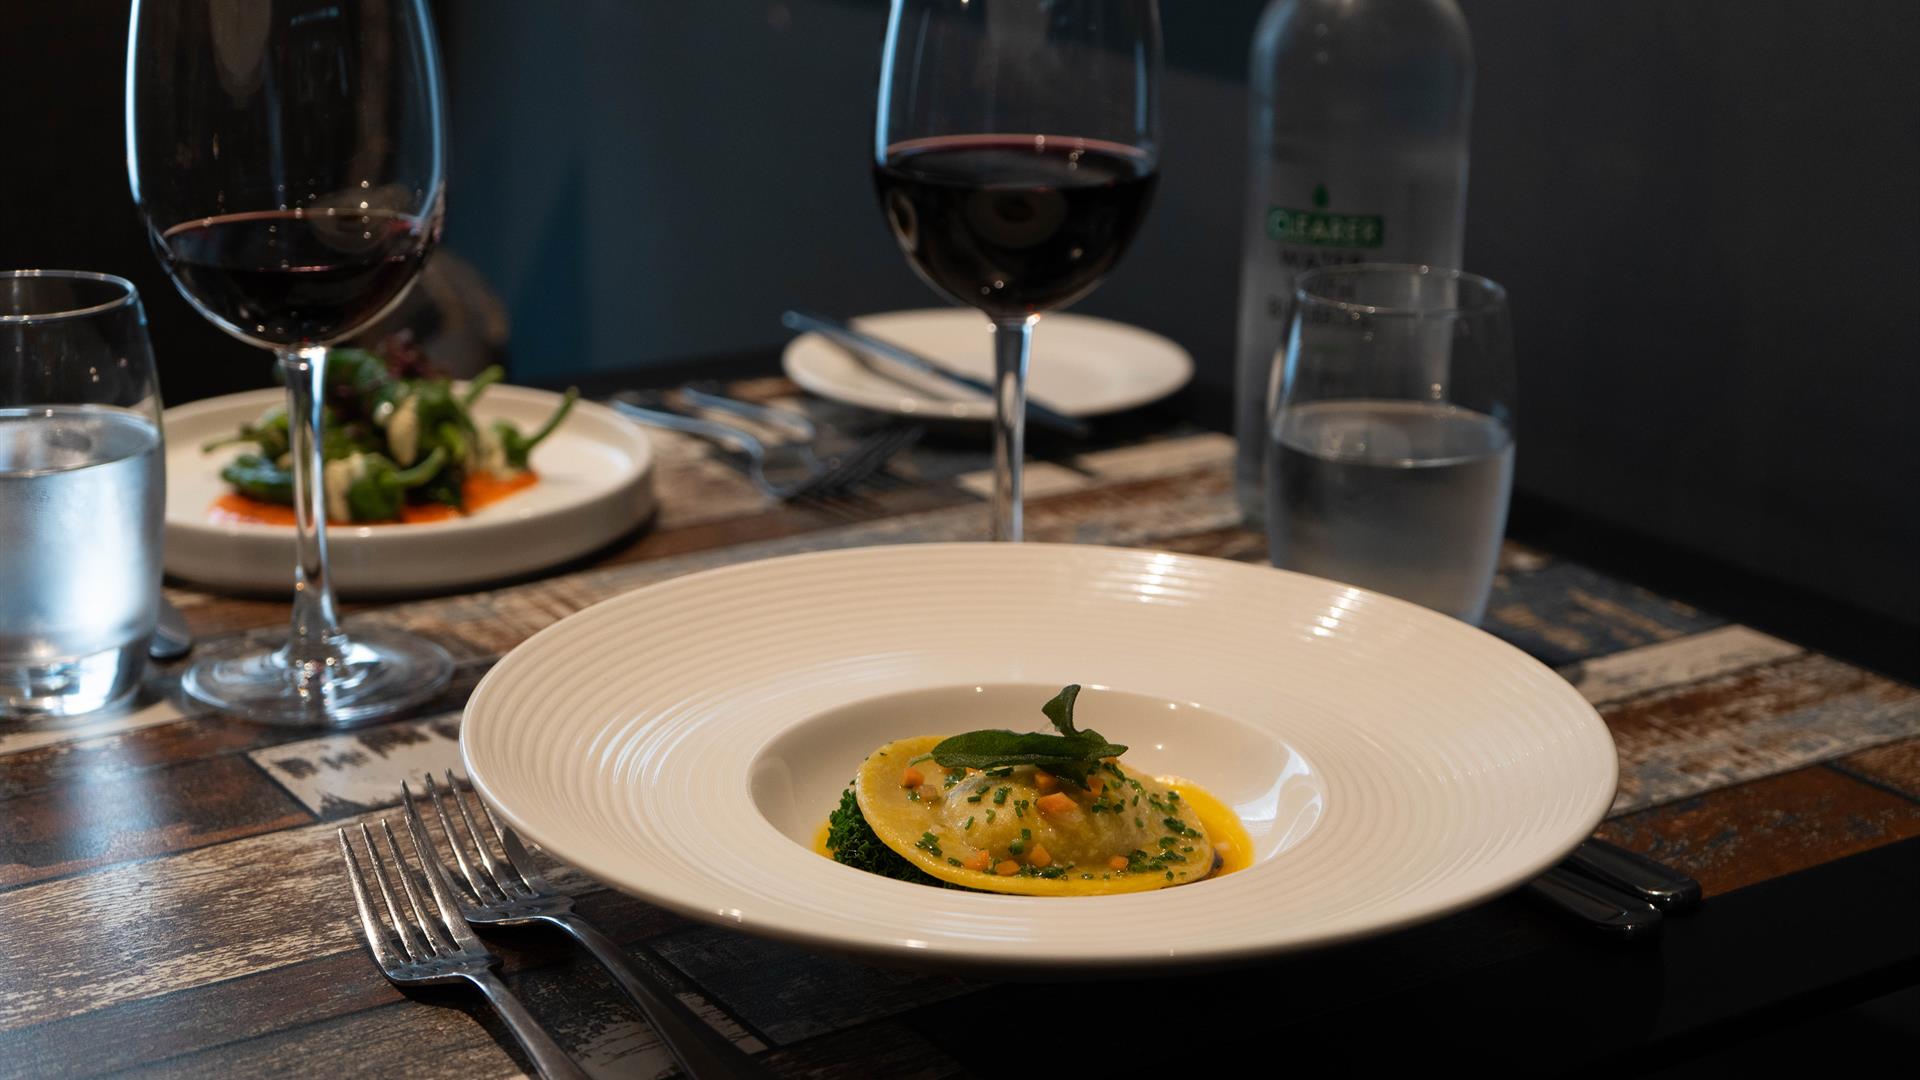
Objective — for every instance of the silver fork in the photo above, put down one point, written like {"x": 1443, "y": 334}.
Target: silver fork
{"x": 514, "y": 893}
{"x": 442, "y": 948}
{"x": 770, "y": 466}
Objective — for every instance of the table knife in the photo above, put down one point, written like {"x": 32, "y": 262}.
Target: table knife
{"x": 886, "y": 351}
{"x": 1662, "y": 886}
{"x": 1619, "y": 914}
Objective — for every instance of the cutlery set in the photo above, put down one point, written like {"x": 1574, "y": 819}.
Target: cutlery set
{"x": 1617, "y": 891}
{"x": 792, "y": 468}
{"x": 787, "y": 470}
{"x": 499, "y": 885}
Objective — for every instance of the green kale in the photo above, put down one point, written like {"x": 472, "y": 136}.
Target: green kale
{"x": 854, "y": 843}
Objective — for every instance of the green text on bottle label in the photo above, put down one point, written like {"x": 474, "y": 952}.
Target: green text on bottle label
{"x": 1322, "y": 229}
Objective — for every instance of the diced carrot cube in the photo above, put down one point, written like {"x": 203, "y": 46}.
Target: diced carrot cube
{"x": 1039, "y": 857}
{"x": 1118, "y": 862}
{"x": 911, "y": 778}
{"x": 1007, "y": 868}
{"x": 1045, "y": 781}
{"x": 980, "y": 861}
{"x": 1057, "y": 803}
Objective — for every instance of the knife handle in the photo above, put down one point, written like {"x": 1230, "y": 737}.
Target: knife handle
{"x": 1601, "y": 906}
{"x": 1662, "y": 886}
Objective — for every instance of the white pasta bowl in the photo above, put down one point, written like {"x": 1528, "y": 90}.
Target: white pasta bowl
{"x": 685, "y": 742}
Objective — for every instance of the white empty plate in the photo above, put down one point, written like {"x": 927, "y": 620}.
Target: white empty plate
{"x": 685, "y": 742}
{"x": 1080, "y": 366}
{"x": 596, "y": 483}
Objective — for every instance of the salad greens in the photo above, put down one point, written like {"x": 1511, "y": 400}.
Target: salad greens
{"x": 391, "y": 435}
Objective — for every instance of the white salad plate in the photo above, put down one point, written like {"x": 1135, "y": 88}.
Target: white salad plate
{"x": 685, "y": 742}
{"x": 596, "y": 484}
{"x": 1080, "y": 366}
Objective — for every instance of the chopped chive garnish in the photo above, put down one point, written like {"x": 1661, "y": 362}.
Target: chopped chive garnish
{"x": 1000, "y": 796}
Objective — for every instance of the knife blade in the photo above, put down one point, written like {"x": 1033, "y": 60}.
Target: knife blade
{"x": 879, "y": 348}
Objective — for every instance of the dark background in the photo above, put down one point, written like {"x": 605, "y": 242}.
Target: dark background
{"x": 1707, "y": 214}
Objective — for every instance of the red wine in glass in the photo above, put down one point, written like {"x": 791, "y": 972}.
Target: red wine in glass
{"x": 1014, "y": 225}
{"x": 290, "y": 276}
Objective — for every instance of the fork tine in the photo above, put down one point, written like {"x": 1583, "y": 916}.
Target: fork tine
{"x": 501, "y": 880}
{"x": 522, "y": 867}
{"x": 410, "y": 942}
{"x": 482, "y": 889}
{"x": 438, "y": 881}
{"x": 377, "y": 940}
{"x": 423, "y": 845}
{"x": 846, "y": 472}
{"x": 517, "y": 855}
{"x": 422, "y": 918}
{"x": 885, "y": 446}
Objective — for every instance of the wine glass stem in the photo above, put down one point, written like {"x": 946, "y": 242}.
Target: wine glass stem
{"x": 315, "y": 644}
{"x": 1011, "y": 339}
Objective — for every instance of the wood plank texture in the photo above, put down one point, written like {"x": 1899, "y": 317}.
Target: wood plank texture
{"x": 173, "y": 902}
{"x": 1563, "y": 612}
{"x": 1895, "y": 766}
{"x": 73, "y": 827}
{"x": 1753, "y": 723}
{"x": 1752, "y": 832}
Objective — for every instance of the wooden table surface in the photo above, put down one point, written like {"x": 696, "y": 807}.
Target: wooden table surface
{"x": 171, "y": 899}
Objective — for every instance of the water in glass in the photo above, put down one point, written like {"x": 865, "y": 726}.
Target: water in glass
{"x": 1404, "y": 497}
{"x": 80, "y": 508}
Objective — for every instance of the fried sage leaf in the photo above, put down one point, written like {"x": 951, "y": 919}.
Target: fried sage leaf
{"x": 1071, "y": 754}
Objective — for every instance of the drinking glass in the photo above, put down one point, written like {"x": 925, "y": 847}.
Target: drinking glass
{"x": 81, "y": 490}
{"x": 1015, "y": 151}
{"x": 1391, "y": 456}
{"x": 288, "y": 159}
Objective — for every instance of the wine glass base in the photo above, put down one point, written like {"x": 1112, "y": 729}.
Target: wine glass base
{"x": 380, "y": 672}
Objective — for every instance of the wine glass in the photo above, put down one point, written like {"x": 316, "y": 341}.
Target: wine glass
{"x": 288, "y": 159}
{"x": 1015, "y": 152}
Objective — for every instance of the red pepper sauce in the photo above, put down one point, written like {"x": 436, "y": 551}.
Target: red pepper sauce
{"x": 480, "y": 490}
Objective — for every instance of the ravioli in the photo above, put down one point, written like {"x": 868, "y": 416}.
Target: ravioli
{"x": 1019, "y": 830}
